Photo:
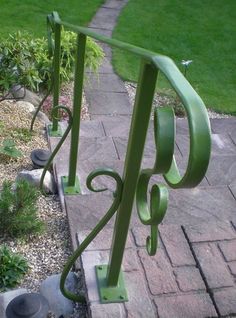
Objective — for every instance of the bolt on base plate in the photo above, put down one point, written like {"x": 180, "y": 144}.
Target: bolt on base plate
{"x": 107, "y": 294}
{"x": 68, "y": 190}
{"x": 54, "y": 133}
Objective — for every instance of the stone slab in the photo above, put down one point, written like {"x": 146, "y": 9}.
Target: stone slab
{"x": 98, "y": 310}
{"x": 210, "y": 232}
{"x": 189, "y": 279}
{"x": 159, "y": 267}
{"x": 101, "y": 31}
{"x": 117, "y": 126}
{"x": 222, "y": 170}
{"x": 221, "y": 145}
{"x": 91, "y": 128}
{"x": 114, "y": 4}
{"x": 102, "y": 241}
{"x": 176, "y": 245}
{"x": 223, "y": 125}
{"x": 200, "y": 205}
{"x": 104, "y": 68}
{"x": 98, "y": 149}
{"x": 105, "y": 18}
{"x": 209, "y": 258}
{"x": 121, "y": 146}
{"x": 232, "y": 135}
{"x": 182, "y": 126}
{"x": 228, "y": 248}
{"x": 85, "y": 211}
{"x": 107, "y": 49}
{"x": 186, "y": 306}
{"x": 149, "y": 148}
{"x": 140, "y": 234}
{"x": 232, "y": 188}
{"x": 108, "y": 103}
{"x": 232, "y": 267}
{"x": 92, "y": 258}
{"x": 139, "y": 304}
{"x": 88, "y": 128}
{"x": 87, "y": 166}
{"x": 105, "y": 83}
{"x": 225, "y": 301}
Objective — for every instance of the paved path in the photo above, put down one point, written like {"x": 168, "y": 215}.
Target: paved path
{"x": 193, "y": 274}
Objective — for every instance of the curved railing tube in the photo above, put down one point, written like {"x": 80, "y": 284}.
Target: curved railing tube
{"x": 57, "y": 148}
{"x": 106, "y": 218}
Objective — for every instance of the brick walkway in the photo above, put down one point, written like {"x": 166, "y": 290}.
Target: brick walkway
{"x": 194, "y": 271}
{"x": 193, "y": 274}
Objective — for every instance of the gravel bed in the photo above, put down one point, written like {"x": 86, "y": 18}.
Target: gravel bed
{"x": 47, "y": 253}
{"x": 162, "y": 100}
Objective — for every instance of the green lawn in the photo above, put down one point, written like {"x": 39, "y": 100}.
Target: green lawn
{"x": 30, "y": 15}
{"x": 202, "y": 31}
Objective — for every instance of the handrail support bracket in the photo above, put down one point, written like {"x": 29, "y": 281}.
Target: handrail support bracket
{"x": 108, "y": 294}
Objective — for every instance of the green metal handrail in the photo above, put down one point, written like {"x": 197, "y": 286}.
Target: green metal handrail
{"x": 134, "y": 182}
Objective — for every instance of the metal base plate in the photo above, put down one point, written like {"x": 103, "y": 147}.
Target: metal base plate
{"x": 116, "y": 294}
{"x": 70, "y": 190}
{"x": 56, "y": 133}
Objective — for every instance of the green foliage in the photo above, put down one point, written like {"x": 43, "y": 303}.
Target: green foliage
{"x": 29, "y": 15}
{"x": 9, "y": 149}
{"x": 18, "y": 210}
{"x": 179, "y": 29}
{"x": 22, "y": 134}
{"x": 12, "y": 268}
{"x": 24, "y": 60}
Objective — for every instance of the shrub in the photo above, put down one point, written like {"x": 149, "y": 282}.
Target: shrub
{"x": 18, "y": 210}
{"x": 24, "y": 60}
{"x": 12, "y": 268}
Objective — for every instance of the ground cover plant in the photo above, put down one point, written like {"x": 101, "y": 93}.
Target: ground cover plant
{"x": 9, "y": 149}
{"x": 30, "y": 15}
{"x": 202, "y": 31}
{"x": 12, "y": 268}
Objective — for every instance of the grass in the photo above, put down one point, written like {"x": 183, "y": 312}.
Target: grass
{"x": 202, "y": 31}
{"x": 30, "y": 15}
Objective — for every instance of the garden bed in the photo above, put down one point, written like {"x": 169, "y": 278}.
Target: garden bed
{"x": 46, "y": 253}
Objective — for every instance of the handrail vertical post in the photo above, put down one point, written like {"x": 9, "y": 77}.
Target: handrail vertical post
{"x": 56, "y": 79}
{"x": 137, "y": 136}
{"x": 71, "y": 184}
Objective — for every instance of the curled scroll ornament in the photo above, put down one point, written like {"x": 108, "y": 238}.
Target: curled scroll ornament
{"x": 105, "y": 219}
{"x": 165, "y": 164}
{"x": 55, "y": 151}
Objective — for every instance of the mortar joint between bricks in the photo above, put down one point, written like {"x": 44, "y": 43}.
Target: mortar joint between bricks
{"x": 208, "y": 290}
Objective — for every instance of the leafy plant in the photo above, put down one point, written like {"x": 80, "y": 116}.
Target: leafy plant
{"x": 12, "y": 268}
{"x": 9, "y": 149}
{"x": 18, "y": 210}
{"x": 24, "y": 60}
{"x": 22, "y": 134}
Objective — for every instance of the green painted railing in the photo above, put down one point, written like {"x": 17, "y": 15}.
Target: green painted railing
{"x": 134, "y": 182}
